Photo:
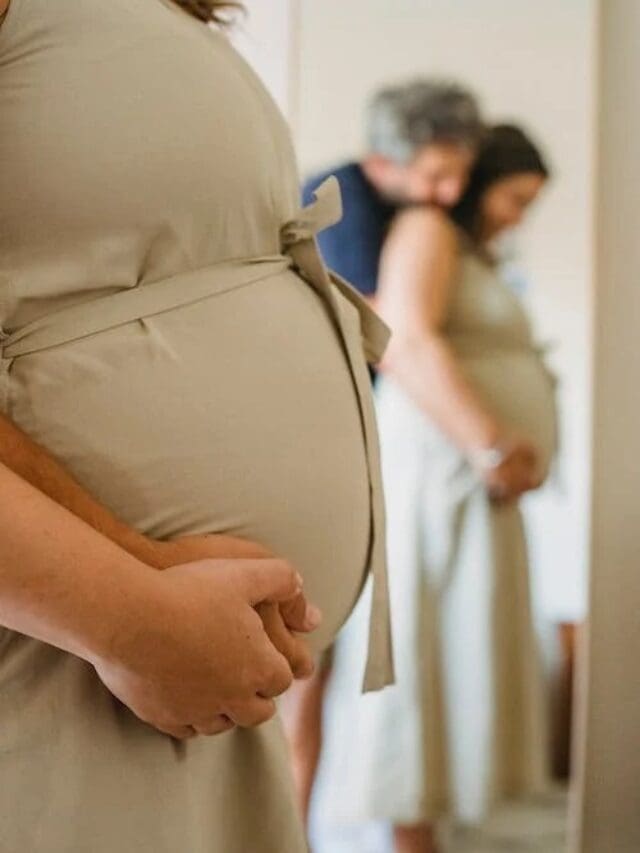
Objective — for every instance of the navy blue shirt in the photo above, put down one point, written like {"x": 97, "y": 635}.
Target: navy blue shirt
{"x": 352, "y": 247}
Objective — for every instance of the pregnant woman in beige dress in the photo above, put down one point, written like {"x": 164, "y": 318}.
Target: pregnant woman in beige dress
{"x": 173, "y": 346}
{"x": 467, "y": 424}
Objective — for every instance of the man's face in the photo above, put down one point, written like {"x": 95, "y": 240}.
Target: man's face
{"x": 437, "y": 175}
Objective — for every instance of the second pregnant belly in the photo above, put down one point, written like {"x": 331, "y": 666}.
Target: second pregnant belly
{"x": 235, "y": 415}
{"x": 520, "y": 391}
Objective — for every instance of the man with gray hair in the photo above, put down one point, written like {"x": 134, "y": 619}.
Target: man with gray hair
{"x": 422, "y": 138}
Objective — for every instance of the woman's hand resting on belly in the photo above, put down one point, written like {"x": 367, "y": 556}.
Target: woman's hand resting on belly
{"x": 282, "y": 621}
{"x": 515, "y": 472}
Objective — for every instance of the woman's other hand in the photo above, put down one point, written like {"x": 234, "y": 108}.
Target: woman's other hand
{"x": 517, "y": 472}
{"x": 282, "y": 621}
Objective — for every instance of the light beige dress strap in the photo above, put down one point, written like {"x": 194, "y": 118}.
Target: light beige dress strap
{"x": 148, "y": 300}
{"x": 363, "y": 328}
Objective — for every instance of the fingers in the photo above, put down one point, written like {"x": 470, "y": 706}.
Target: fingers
{"x": 297, "y": 654}
{"x": 299, "y": 615}
{"x": 177, "y": 732}
{"x": 275, "y": 675}
{"x": 293, "y": 648}
{"x": 269, "y": 580}
{"x": 277, "y": 581}
{"x": 270, "y": 673}
{"x": 219, "y": 725}
{"x": 253, "y": 712}
{"x": 294, "y": 612}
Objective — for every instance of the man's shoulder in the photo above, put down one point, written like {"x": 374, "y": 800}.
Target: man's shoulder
{"x": 349, "y": 177}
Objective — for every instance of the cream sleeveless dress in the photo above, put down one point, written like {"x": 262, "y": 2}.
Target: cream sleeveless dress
{"x": 168, "y": 331}
{"x": 464, "y": 725}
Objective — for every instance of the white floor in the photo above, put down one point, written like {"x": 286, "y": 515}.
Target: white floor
{"x": 535, "y": 827}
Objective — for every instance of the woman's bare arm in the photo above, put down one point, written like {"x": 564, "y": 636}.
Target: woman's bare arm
{"x": 34, "y": 464}
{"x": 37, "y": 466}
{"x": 145, "y": 631}
{"x": 4, "y": 5}
{"x": 56, "y": 574}
{"x": 417, "y": 279}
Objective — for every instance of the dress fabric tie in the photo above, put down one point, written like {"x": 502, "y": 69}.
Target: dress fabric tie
{"x": 360, "y": 330}
{"x": 358, "y": 327}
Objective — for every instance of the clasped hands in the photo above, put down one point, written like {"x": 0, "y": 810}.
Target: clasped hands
{"x": 216, "y": 641}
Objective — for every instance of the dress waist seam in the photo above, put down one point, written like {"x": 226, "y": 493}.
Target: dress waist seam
{"x": 145, "y": 300}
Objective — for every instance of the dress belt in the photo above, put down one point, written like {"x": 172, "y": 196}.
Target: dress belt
{"x": 360, "y": 331}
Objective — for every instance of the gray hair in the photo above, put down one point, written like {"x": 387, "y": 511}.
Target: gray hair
{"x": 402, "y": 119}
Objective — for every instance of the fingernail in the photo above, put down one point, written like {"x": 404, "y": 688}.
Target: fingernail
{"x": 299, "y": 580}
{"x": 313, "y": 616}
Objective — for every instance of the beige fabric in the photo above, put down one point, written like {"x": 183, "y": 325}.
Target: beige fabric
{"x": 463, "y": 727}
{"x": 168, "y": 331}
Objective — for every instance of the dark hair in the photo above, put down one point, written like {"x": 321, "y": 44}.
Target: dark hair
{"x": 506, "y": 151}
{"x": 403, "y": 118}
{"x": 215, "y": 11}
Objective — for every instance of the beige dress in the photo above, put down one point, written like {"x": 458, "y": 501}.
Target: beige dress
{"x": 168, "y": 331}
{"x": 463, "y": 727}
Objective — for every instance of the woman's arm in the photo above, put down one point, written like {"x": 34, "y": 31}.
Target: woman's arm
{"x": 417, "y": 279}
{"x": 4, "y": 5}
{"x": 144, "y": 631}
{"x": 35, "y": 465}
{"x": 56, "y": 574}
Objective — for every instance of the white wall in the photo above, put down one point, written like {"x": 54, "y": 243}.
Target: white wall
{"x": 533, "y": 62}
{"x": 267, "y": 37}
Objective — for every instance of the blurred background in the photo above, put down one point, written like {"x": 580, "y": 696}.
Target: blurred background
{"x": 535, "y": 64}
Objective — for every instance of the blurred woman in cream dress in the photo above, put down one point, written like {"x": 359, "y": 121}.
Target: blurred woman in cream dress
{"x": 468, "y": 424}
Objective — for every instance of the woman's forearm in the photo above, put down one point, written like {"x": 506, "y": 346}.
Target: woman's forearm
{"x": 33, "y": 463}
{"x": 60, "y": 581}
{"x": 427, "y": 369}
{"x": 37, "y": 466}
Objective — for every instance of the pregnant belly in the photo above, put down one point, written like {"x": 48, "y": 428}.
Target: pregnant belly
{"x": 521, "y": 392}
{"x": 234, "y": 415}
{"x": 516, "y": 387}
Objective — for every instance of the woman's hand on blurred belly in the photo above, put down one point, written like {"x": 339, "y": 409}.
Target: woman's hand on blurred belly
{"x": 517, "y": 472}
